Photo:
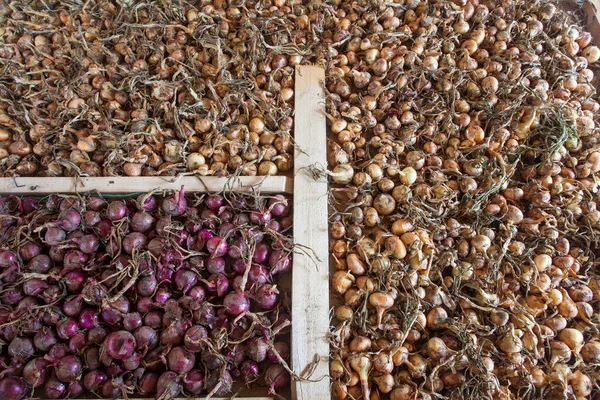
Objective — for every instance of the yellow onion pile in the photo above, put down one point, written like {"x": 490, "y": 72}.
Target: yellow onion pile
{"x": 464, "y": 158}
{"x": 105, "y": 88}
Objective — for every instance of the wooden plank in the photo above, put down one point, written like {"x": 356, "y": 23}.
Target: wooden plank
{"x": 122, "y": 185}
{"x": 310, "y": 273}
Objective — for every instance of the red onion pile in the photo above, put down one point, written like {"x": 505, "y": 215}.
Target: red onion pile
{"x": 147, "y": 296}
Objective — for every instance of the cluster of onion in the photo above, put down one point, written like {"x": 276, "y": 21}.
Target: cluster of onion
{"x": 172, "y": 88}
{"x": 464, "y": 142}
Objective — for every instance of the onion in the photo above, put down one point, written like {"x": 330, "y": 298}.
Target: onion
{"x": 12, "y": 388}
{"x": 180, "y": 360}
{"x": 176, "y": 204}
{"x": 93, "y": 380}
{"x": 236, "y": 303}
{"x": 36, "y": 372}
{"x": 277, "y": 378}
{"x": 55, "y": 389}
{"x": 266, "y": 297}
{"x": 147, "y": 385}
{"x": 116, "y": 210}
{"x": 120, "y": 345}
{"x": 168, "y": 386}
{"x": 21, "y": 348}
{"x": 68, "y": 368}
{"x": 44, "y": 339}
{"x": 193, "y": 382}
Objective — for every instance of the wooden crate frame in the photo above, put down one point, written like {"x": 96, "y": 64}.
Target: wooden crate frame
{"x": 310, "y": 272}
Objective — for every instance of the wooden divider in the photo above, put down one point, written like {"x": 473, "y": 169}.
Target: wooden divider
{"x": 123, "y": 184}
{"x": 310, "y": 272}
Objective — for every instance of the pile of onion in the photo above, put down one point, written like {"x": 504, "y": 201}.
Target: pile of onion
{"x": 202, "y": 87}
{"x": 464, "y": 159}
{"x": 164, "y": 296}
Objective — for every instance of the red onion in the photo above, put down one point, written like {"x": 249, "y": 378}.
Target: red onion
{"x": 214, "y": 201}
{"x": 180, "y": 359}
{"x": 237, "y": 248}
{"x": 282, "y": 348}
{"x": 223, "y": 379}
{"x": 57, "y": 253}
{"x": 256, "y": 349}
{"x": 249, "y": 371}
{"x": 120, "y": 345}
{"x": 95, "y": 203}
{"x": 66, "y": 328}
{"x": 211, "y": 360}
{"x": 77, "y": 342}
{"x": 286, "y": 222}
{"x": 97, "y": 335}
{"x": 236, "y": 303}
{"x": 7, "y": 258}
{"x": 197, "y": 293}
{"x": 241, "y": 219}
{"x": 276, "y": 377}
{"x": 55, "y": 389}
{"x": 209, "y": 218}
{"x": 261, "y": 253}
{"x": 146, "y": 338}
{"x": 103, "y": 229}
{"x": 215, "y": 265}
{"x": 217, "y": 246}
{"x": 36, "y": 372}
{"x": 258, "y": 274}
{"x": 56, "y": 352}
{"x": 132, "y": 321}
{"x": 21, "y": 348}
{"x": 168, "y": 386}
{"x": 69, "y": 220}
{"x": 147, "y": 385}
{"x": 259, "y": 218}
{"x": 157, "y": 246}
{"x": 12, "y": 388}
{"x": 279, "y": 206}
{"x": 29, "y": 250}
{"x": 91, "y": 218}
{"x": 162, "y": 295}
{"x": 266, "y": 297}
{"x": 217, "y": 284}
{"x": 175, "y": 204}
{"x": 185, "y": 279}
{"x": 153, "y": 319}
{"x": 116, "y": 210}
{"x": 73, "y": 305}
{"x": 133, "y": 241}
{"x": 193, "y": 382}
{"x": 171, "y": 335}
{"x": 88, "y": 244}
{"x": 93, "y": 380}
{"x": 88, "y": 318}
{"x": 280, "y": 262}
{"x": 74, "y": 260}
{"x": 74, "y": 281}
{"x": 12, "y": 296}
{"x": 67, "y": 369}
{"x": 75, "y": 389}
{"x": 110, "y": 391}
{"x": 226, "y": 229}
{"x": 225, "y": 215}
{"x": 30, "y": 204}
{"x": 133, "y": 362}
{"x": 52, "y": 294}
{"x": 146, "y": 202}
{"x": 142, "y": 221}
{"x": 146, "y": 286}
{"x": 34, "y": 286}
{"x": 40, "y": 264}
{"x": 91, "y": 358}
{"x": 44, "y": 339}
{"x": 144, "y": 304}
{"x": 195, "y": 338}
{"x": 239, "y": 266}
